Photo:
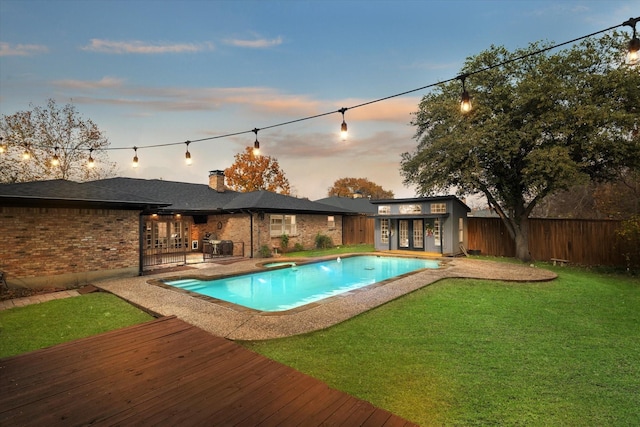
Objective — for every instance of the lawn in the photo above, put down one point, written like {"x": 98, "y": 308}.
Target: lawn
{"x": 31, "y": 327}
{"x": 477, "y": 352}
{"x": 458, "y": 352}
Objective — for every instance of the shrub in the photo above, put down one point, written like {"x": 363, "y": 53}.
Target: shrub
{"x": 298, "y": 247}
{"x": 284, "y": 243}
{"x": 629, "y": 241}
{"x": 265, "y": 252}
{"x": 323, "y": 241}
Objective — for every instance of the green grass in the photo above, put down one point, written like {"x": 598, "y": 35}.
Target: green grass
{"x": 28, "y": 328}
{"x": 331, "y": 251}
{"x": 477, "y": 352}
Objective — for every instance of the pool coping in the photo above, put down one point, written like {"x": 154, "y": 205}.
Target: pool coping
{"x": 263, "y": 266}
{"x": 225, "y": 321}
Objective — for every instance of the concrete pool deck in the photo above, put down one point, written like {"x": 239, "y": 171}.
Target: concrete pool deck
{"x": 238, "y": 323}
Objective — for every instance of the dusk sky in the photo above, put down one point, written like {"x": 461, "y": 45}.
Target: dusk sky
{"x": 161, "y": 72}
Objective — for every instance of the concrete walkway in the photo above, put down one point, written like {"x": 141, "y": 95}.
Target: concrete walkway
{"x": 35, "y": 299}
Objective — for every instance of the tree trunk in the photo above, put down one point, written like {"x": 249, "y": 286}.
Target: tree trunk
{"x": 521, "y": 238}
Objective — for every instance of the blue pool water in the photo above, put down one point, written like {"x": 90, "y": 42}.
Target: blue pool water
{"x": 294, "y": 286}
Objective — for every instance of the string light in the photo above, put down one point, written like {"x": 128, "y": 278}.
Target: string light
{"x": 343, "y": 126}
{"x": 55, "y": 160}
{"x": 26, "y": 155}
{"x": 465, "y": 100}
{"x": 633, "y": 54}
{"x": 91, "y": 162}
{"x": 3, "y": 146}
{"x": 633, "y": 57}
{"x": 135, "y": 157}
{"x": 256, "y": 144}
{"x": 187, "y": 155}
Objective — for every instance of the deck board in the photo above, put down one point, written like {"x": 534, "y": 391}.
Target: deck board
{"x": 167, "y": 372}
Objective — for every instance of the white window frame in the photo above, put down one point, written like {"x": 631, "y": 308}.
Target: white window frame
{"x": 410, "y": 209}
{"x": 331, "y": 222}
{"x": 384, "y": 230}
{"x": 436, "y": 231}
{"x": 438, "y": 208}
{"x": 384, "y": 210}
{"x": 282, "y": 224}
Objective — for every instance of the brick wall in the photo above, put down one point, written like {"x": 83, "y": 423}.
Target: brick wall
{"x": 66, "y": 246}
{"x": 237, "y": 229}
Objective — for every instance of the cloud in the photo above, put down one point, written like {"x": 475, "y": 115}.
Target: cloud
{"x": 6, "y": 49}
{"x": 254, "y": 44}
{"x": 396, "y": 110}
{"x": 104, "y": 83}
{"x": 139, "y": 47}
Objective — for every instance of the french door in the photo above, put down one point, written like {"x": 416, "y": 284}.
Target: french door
{"x": 411, "y": 234}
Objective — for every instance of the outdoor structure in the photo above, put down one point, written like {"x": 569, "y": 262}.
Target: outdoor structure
{"x": 65, "y": 233}
{"x": 431, "y": 224}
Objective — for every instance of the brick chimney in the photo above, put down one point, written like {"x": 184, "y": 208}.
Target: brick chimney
{"x": 216, "y": 180}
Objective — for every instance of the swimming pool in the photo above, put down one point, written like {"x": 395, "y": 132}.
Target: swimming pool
{"x": 297, "y": 285}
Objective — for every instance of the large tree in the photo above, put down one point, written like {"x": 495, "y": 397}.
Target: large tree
{"x": 49, "y": 133}
{"x": 347, "y": 187}
{"x": 251, "y": 172}
{"x": 538, "y": 125}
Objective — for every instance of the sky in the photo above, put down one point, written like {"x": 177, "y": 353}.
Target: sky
{"x": 164, "y": 72}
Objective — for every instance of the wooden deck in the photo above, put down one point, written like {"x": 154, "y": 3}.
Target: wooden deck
{"x": 167, "y": 372}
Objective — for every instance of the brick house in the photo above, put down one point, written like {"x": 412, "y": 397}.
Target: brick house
{"x": 62, "y": 233}
{"x": 65, "y": 233}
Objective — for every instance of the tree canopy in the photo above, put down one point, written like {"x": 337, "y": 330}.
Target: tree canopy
{"x": 251, "y": 172}
{"x": 347, "y": 187}
{"x": 538, "y": 125}
{"x": 48, "y": 133}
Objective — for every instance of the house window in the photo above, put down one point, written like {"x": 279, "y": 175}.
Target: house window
{"x": 437, "y": 208}
{"x": 384, "y": 210}
{"x": 410, "y": 209}
{"x": 161, "y": 234}
{"x": 436, "y": 231}
{"x": 283, "y": 224}
{"x": 384, "y": 230}
{"x": 331, "y": 222}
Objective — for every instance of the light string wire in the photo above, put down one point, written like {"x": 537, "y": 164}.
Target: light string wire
{"x": 464, "y": 75}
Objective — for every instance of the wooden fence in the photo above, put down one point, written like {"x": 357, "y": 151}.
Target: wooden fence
{"x": 583, "y": 242}
{"x": 357, "y": 229}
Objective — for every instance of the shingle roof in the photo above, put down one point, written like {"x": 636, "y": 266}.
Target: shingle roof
{"x": 182, "y": 196}
{"x": 60, "y": 190}
{"x": 359, "y": 205}
{"x": 166, "y": 196}
{"x": 266, "y": 200}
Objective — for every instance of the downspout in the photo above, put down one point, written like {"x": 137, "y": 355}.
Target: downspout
{"x": 441, "y": 234}
{"x": 251, "y": 232}
{"x": 140, "y": 244}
